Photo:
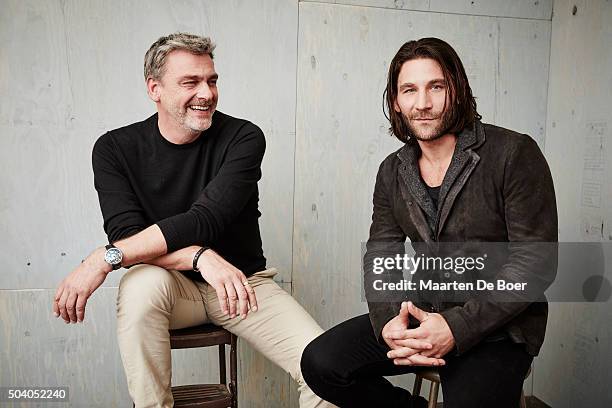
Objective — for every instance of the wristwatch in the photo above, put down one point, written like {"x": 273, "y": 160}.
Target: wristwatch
{"x": 113, "y": 256}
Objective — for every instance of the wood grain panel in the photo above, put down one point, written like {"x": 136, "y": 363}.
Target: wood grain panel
{"x": 528, "y": 9}
{"x": 39, "y": 350}
{"x": 522, "y": 82}
{"x": 34, "y": 76}
{"x": 49, "y": 214}
{"x": 573, "y": 368}
{"x": 342, "y": 136}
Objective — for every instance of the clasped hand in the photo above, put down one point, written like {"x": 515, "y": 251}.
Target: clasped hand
{"x": 422, "y": 346}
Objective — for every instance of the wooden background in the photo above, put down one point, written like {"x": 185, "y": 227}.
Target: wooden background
{"x": 311, "y": 75}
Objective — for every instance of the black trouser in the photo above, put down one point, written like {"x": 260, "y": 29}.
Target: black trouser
{"x": 346, "y": 365}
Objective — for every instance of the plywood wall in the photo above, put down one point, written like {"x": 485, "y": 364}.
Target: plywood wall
{"x": 574, "y": 366}
{"x": 69, "y": 71}
{"x": 311, "y": 75}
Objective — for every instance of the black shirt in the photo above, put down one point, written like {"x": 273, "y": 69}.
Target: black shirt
{"x": 200, "y": 193}
{"x": 434, "y": 193}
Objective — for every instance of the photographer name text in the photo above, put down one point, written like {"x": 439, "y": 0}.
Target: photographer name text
{"x": 480, "y": 284}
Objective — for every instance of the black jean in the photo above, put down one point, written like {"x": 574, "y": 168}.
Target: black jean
{"x": 346, "y": 365}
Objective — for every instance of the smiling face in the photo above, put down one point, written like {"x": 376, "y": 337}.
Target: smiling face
{"x": 186, "y": 95}
{"x": 421, "y": 98}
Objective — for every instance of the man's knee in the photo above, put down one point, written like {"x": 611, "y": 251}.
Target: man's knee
{"x": 143, "y": 288}
{"x": 317, "y": 363}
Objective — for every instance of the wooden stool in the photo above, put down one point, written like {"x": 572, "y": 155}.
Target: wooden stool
{"x": 207, "y": 395}
{"x": 434, "y": 378}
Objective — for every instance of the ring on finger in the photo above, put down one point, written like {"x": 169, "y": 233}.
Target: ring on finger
{"x": 245, "y": 283}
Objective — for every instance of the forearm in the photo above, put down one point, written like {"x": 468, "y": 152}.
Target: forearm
{"x": 148, "y": 244}
{"x": 181, "y": 260}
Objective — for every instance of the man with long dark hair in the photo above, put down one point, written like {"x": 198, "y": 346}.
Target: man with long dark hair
{"x": 456, "y": 180}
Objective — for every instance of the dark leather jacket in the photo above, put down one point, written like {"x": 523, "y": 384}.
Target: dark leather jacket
{"x": 498, "y": 188}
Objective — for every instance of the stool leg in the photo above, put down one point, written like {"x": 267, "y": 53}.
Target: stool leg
{"x": 433, "y": 394}
{"x": 416, "y": 390}
{"x": 222, "y": 374}
{"x": 234, "y": 372}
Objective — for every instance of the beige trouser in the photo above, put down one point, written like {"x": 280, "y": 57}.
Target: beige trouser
{"x": 152, "y": 300}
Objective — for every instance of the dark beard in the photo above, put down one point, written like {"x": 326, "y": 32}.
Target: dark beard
{"x": 436, "y": 133}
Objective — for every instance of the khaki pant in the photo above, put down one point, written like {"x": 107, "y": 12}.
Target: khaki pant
{"x": 152, "y": 300}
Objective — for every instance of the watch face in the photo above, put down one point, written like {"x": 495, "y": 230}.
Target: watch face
{"x": 113, "y": 256}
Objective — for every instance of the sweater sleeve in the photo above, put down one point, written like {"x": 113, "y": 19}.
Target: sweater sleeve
{"x": 122, "y": 212}
{"x": 224, "y": 197}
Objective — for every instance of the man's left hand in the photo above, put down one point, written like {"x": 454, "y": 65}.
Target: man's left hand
{"x": 433, "y": 330}
{"x": 72, "y": 294}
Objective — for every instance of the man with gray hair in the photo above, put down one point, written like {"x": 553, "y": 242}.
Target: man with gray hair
{"x": 178, "y": 193}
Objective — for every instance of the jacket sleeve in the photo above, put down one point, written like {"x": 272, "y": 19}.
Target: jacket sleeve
{"x": 224, "y": 197}
{"x": 386, "y": 236}
{"x": 122, "y": 212}
{"x": 531, "y": 220}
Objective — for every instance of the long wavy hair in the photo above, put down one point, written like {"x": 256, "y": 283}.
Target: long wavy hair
{"x": 460, "y": 105}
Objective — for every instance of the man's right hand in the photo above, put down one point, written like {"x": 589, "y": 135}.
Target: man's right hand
{"x": 74, "y": 291}
{"x": 232, "y": 287}
{"x": 410, "y": 347}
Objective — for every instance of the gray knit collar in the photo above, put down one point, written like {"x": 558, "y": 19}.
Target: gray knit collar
{"x": 467, "y": 140}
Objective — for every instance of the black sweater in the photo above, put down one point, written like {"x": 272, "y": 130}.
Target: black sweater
{"x": 200, "y": 193}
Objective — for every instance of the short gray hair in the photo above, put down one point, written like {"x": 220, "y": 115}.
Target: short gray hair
{"x": 155, "y": 58}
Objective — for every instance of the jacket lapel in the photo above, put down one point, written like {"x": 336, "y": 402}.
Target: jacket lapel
{"x": 413, "y": 188}
{"x": 462, "y": 164}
